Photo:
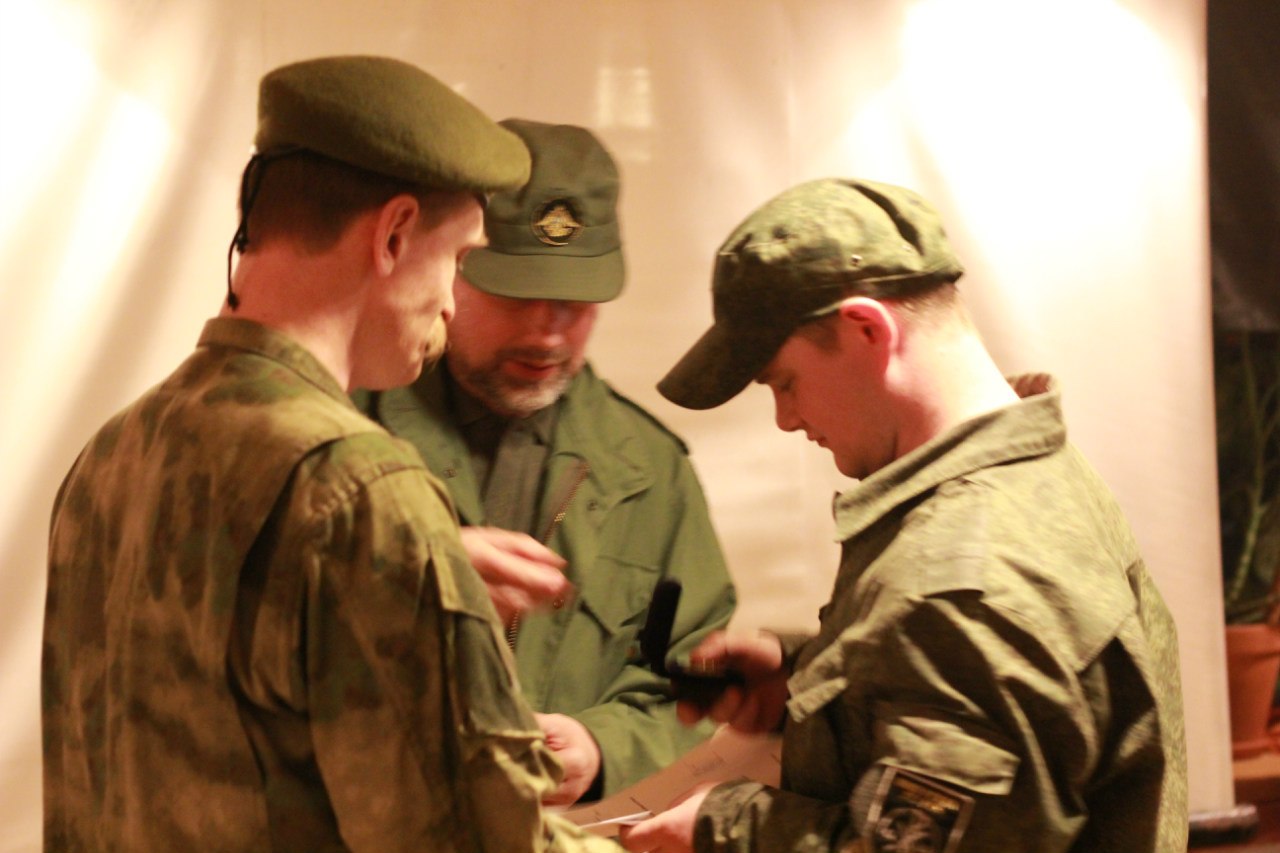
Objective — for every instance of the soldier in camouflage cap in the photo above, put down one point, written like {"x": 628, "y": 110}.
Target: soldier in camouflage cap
{"x": 262, "y": 631}
{"x": 995, "y": 669}
{"x": 796, "y": 259}
{"x": 560, "y": 482}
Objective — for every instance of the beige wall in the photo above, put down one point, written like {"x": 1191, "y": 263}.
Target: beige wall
{"x": 1062, "y": 140}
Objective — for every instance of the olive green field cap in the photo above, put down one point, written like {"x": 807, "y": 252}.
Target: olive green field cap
{"x": 389, "y": 117}
{"x": 794, "y": 259}
{"x": 557, "y": 237}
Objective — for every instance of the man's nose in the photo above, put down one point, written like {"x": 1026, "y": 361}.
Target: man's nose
{"x": 552, "y": 316}
{"x": 448, "y": 306}
{"x": 784, "y": 415}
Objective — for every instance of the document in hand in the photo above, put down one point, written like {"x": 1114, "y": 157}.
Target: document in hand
{"x": 727, "y": 754}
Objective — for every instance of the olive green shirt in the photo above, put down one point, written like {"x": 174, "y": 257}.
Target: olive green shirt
{"x": 994, "y": 632}
{"x": 631, "y": 512}
{"x": 508, "y": 455}
{"x": 262, "y": 633}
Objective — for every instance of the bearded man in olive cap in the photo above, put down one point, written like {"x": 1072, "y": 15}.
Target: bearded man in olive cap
{"x": 262, "y": 631}
{"x": 995, "y": 670}
{"x": 575, "y": 502}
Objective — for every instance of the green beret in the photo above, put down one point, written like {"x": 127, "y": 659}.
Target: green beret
{"x": 793, "y": 260}
{"x": 388, "y": 117}
{"x": 557, "y": 237}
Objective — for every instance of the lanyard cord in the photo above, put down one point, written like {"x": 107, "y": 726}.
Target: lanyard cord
{"x": 250, "y": 183}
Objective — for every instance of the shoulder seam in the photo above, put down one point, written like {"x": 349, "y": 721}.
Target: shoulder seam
{"x": 360, "y": 477}
{"x": 647, "y": 415}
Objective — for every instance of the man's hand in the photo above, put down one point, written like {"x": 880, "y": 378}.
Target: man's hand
{"x": 578, "y": 752}
{"x": 520, "y": 572}
{"x": 670, "y": 831}
{"x": 757, "y": 706}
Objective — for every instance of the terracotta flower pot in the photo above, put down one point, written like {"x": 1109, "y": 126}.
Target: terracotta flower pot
{"x": 1253, "y": 664}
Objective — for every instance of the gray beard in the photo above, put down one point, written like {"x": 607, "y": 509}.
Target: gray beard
{"x": 512, "y": 399}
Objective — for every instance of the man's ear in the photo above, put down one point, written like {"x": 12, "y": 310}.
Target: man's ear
{"x": 870, "y": 321}
{"x": 394, "y": 229}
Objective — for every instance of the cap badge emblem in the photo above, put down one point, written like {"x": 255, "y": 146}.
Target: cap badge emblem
{"x": 556, "y": 222}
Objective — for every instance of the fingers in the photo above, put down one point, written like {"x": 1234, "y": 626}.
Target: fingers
{"x": 754, "y": 714}
{"x": 537, "y": 581}
{"x": 711, "y": 649}
{"x": 759, "y": 705}
{"x": 647, "y": 836}
{"x": 638, "y": 838}
{"x": 487, "y": 540}
{"x": 579, "y": 756}
{"x": 755, "y": 654}
{"x": 732, "y": 706}
{"x": 520, "y": 572}
{"x": 689, "y": 713}
{"x": 728, "y": 708}
{"x": 644, "y": 837}
{"x": 524, "y": 545}
{"x": 670, "y": 831}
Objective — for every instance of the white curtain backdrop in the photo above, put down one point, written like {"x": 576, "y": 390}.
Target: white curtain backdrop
{"x": 1063, "y": 141}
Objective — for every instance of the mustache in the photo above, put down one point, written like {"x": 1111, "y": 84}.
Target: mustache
{"x": 535, "y": 355}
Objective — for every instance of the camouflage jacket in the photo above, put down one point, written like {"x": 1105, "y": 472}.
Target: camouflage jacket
{"x": 995, "y": 668}
{"x": 262, "y": 633}
{"x": 638, "y": 516}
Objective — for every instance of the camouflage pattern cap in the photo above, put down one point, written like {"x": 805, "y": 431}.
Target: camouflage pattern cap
{"x": 796, "y": 258}
{"x": 388, "y": 117}
{"x": 557, "y": 237}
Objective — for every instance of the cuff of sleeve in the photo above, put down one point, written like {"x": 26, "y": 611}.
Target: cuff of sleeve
{"x": 631, "y": 749}
{"x": 791, "y": 644}
{"x": 718, "y": 826}
{"x": 747, "y": 817}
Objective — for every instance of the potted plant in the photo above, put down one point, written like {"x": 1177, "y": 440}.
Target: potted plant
{"x": 1247, "y": 388}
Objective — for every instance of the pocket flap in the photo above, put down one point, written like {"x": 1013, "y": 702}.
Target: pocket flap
{"x": 927, "y": 741}
{"x": 616, "y": 593}
{"x": 807, "y": 700}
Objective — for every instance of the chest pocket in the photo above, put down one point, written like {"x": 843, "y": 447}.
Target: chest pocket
{"x": 923, "y": 739}
{"x": 603, "y": 629}
{"x": 616, "y": 593}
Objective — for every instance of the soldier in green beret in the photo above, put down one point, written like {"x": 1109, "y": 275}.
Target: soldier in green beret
{"x": 995, "y": 670}
{"x": 262, "y": 631}
{"x": 575, "y": 502}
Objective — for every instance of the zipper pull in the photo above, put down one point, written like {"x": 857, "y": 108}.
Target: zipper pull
{"x": 577, "y": 477}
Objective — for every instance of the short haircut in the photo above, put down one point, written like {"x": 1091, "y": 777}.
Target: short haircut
{"x": 310, "y": 199}
{"x": 930, "y": 307}
{"x": 821, "y": 332}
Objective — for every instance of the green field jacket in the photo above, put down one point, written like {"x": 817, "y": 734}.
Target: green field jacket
{"x": 634, "y": 513}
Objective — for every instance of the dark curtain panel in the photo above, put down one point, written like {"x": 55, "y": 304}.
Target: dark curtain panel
{"x": 1244, "y": 162}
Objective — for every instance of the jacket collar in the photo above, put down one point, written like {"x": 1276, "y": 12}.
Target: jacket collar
{"x": 1031, "y": 427}
{"x": 587, "y": 430}
{"x": 589, "y": 427}
{"x": 254, "y": 337}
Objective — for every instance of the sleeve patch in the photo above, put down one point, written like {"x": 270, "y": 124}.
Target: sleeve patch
{"x": 915, "y": 814}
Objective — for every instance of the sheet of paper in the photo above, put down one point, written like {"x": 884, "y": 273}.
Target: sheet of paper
{"x": 727, "y": 754}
